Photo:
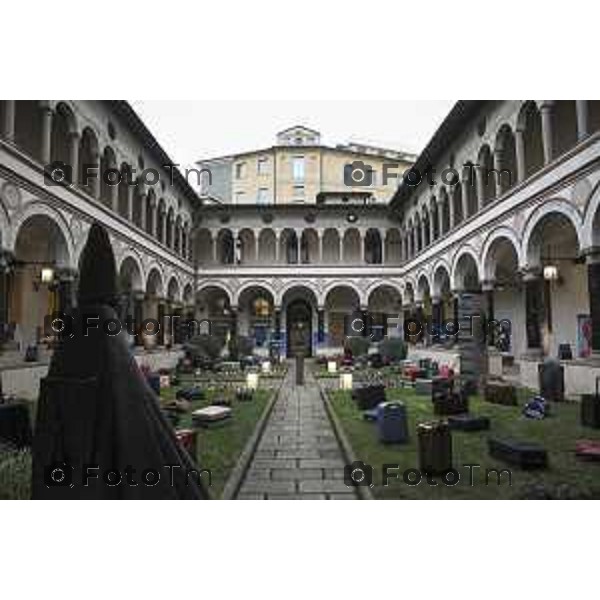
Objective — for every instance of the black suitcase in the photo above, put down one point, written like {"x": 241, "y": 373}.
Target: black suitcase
{"x": 590, "y": 409}
{"x": 468, "y": 423}
{"x": 369, "y": 396}
{"x": 435, "y": 447}
{"x": 525, "y": 455}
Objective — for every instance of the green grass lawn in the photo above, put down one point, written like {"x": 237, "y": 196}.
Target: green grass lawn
{"x": 557, "y": 433}
{"x": 219, "y": 449}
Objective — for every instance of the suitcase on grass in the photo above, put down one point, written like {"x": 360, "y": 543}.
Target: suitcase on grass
{"x": 435, "y": 447}
{"x": 590, "y": 409}
{"x": 467, "y": 422}
{"x": 525, "y": 455}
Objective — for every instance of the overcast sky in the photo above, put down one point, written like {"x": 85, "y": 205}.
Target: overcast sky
{"x": 191, "y": 130}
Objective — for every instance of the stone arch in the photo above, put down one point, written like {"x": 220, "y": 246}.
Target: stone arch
{"x": 89, "y": 153}
{"x": 351, "y": 245}
{"x": 28, "y": 127}
{"x": 373, "y": 250}
{"x": 309, "y": 246}
{"x": 381, "y": 283}
{"x": 204, "y": 246}
{"x": 108, "y": 161}
{"x": 64, "y": 126}
{"x": 423, "y": 287}
{"x": 331, "y": 246}
{"x": 188, "y": 294}
{"x": 441, "y": 277}
{"x": 530, "y": 124}
{"x": 466, "y": 271}
{"x": 485, "y": 161}
{"x": 557, "y": 206}
{"x": 174, "y": 289}
{"x": 487, "y": 252}
{"x": 247, "y": 242}
{"x": 155, "y": 282}
{"x": 346, "y": 284}
{"x": 36, "y": 209}
{"x": 259, "y": 283}
{"x": 267, "y": 246}
{"x": 5, "y": 228}
{"x": 308, "y": 285}
{"x": 393, "y": 246}
{"x": 505, "y": 151}
{"x": 591, "y": 223}
{"x": 131, "y": 264}
{"x": 215, "y": 284}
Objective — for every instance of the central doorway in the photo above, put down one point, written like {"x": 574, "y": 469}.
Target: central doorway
{"x": 299, "y": 328}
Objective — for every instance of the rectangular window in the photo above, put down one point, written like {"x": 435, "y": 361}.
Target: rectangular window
{"x": 298, "y": 168}
{"x": 240, "y": 170}
{"x": 263, "y": 166}
{"x": 262, "y": 196}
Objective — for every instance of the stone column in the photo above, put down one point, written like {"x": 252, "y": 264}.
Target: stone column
{"x": 277, "y": 243}
{"x": 46, "y": 150}
{"x": 480, "y": 187}
{"x": 113, "y": 191}
{"x": 320, "y": 325}
{"x": 436, "y": 318}
{"x": 534, "y": 308}
{"x": 593, "y": 265}
{"x": 341, "y": 247}
{"x": 466, "y": 189}
{"x": 161, "y": 320}
{"x": 164, "y": 228}
{"x": 66, "y": 289}
{"x": 215, "y": 248}
{"x": 74, "y": 155}
{"x": 362, "y": 247}
{"x": 520, "y": 152}
{"x": 144, "y": 216}
{"x": 138, "y": 315}
{"x": 547, "y": 133}
{"x": 8, "y": 123}
{"x": 431, "y": 228}
{"x": 582, "y": 119}
{"x": 488, "y": 289}
{"x": 6, "y": 260}
{"x": 451, "y": 211}
{"x": 320, "y": 233}
{"x": 95, "y": 181}
{"x": 256, "y": 246}
{"x": 129, "y": 190}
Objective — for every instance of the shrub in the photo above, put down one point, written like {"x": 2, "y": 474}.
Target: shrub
{"x": 358, "y": 346}
{"x": 15, "y": 475}
{"x": 393, "y": 348}
{"x": 205, "y": 346}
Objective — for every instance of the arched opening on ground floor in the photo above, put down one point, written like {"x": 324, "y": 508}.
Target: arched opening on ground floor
{"x": 556, "y": 286}
{"x": 299, "y": 309}
{"x": 41, "y": 283}
{"x": 256, "y": 314}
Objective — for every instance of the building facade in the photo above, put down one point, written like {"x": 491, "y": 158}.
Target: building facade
{"x": 43, "y": 226}
{"x": 508, "y": 212}
{"x": 298, "y": 169}
{"x": 504, "y": 210}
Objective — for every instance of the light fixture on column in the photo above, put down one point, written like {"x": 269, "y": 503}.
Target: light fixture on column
{"x": 47, "y": 275}
{"x": 551, "y": 273}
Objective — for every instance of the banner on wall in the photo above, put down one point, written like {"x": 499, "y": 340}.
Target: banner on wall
{"x": 584, "y": 336}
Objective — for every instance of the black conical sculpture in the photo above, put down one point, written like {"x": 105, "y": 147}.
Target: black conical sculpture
{"x": 98, "y": 421}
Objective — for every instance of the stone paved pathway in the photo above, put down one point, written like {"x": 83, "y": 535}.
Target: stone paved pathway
{"x": 298, "y": 456}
